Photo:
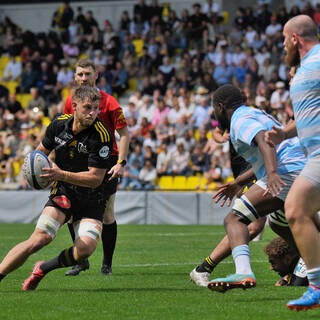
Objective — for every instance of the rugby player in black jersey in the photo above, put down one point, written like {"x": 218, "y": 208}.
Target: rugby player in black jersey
{"x": 82, "y": 147}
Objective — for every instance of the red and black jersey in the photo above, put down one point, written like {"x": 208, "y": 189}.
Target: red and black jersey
{"x": 110, "y": 113}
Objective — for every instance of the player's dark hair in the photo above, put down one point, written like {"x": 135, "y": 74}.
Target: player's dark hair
{"x": 82, "y": 93}
{"x": 86, "y": 63}
{"x": 278, "y": 248}
{"x": 228, "y": 95}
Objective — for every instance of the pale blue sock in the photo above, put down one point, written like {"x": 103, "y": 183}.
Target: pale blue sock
{"x": 314, "y": 277}
{"x": 241, "y": 257}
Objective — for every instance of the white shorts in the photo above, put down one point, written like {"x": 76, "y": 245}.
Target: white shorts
{"x": 288, "y": 178}
{"x": 311, "y": 171}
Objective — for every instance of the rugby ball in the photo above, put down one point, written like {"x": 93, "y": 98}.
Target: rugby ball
{"x": 33, "y": 164}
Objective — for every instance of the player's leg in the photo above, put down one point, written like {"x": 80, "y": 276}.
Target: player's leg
{"x": 47, "y": 226}
{"x": 301, "y": 207}
{"x": 201, "y": 274}
{"x": 109, "y": 236}
{"x": 87, "y": 234}
{"x": 248, "y": 208}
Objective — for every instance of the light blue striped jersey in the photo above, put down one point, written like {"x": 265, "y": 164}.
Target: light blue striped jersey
{"x": 305, "y": 97}
{"x": 246, "y": 123}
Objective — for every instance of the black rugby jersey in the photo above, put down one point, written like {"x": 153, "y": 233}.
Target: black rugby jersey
{"x": 90, "y": 148}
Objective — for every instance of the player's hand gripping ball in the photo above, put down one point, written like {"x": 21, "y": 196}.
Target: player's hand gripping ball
{"x": 33, "y": 164}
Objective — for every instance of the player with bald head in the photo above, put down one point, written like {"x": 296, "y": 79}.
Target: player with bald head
{"x": 303, "y": 200}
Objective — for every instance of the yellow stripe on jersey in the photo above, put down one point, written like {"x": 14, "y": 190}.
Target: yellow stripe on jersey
{"x": 104, "y": 135}
{"x": 64, "y": 116}
{"x": 104, "y": 129}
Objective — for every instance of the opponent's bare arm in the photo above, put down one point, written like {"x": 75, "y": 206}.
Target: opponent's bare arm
{"x": 117, "y": 170}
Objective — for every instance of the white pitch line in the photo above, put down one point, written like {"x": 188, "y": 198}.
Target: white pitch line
{"x": 176, "y": 264}
{"x": 180, "y": 234}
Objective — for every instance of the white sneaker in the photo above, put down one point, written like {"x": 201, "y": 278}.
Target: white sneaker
{"x": 201, "y": 279}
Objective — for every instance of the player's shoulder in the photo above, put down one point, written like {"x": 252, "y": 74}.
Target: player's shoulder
{"x": 108, "y": 100}
{"x": 60, "y": 119}
{"x": 101, "y": 132}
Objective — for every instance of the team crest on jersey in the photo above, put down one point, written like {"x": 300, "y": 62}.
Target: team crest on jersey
{"x": 82, "y": 148}
{"x": 104, "y": 152}
{"x": 73, "y": 143}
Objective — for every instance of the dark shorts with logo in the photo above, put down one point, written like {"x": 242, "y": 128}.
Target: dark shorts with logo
{"x": 77, "y": 205}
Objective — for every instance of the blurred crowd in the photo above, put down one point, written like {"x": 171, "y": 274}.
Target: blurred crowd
{"x": 163, "y": 66}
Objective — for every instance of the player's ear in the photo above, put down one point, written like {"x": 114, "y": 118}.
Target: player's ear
{"x": 74, "y": 105}
{"x": 96, "y": 75}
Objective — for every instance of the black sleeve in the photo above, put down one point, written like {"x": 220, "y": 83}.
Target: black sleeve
{"x": 100, "y": 148}
{"x": 48, "y": 140}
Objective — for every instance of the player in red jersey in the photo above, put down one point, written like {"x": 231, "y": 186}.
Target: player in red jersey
{"x": 111, "y": 114}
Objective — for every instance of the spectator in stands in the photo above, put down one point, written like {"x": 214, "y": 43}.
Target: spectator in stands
{"x": 266, "y": 69}
{"x": 196, "y": 23}
{"x": 62, "y": 17}
{"x": 104, "y": 85}
{"x": 120, "y": 80}
{"x": 10, "y": 123}
{"x": 223, "y": 73}
{"x": 180, "y": 161}
{"x": 274, "y": 27}
{"x": 137, "y": 156}
{"x": 89, "y": 23}
{"x": 37, "y": 102}
{"x": 148, "y": 175}
{"x": 138, "y": 26}
{"x": 160, "y": 112}
{"x": 147, "y": 109}
{"x": 200, "y": 160}
{"x": 65, "y": 76}
{"x": 28, "y": 79}
{"x": 13, "y": 69}
{"x": 130, "y": 177}
{"x": 124, "y": 24}
{"x": 145, "y": 63}
{"x": 201, "y": 115}
{"x": 163, "y": 165}
{"x": 279, "y": 97}
{"x": 213, "y": 172}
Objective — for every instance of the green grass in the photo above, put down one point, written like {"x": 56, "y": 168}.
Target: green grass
{"x": 150, "y": 280}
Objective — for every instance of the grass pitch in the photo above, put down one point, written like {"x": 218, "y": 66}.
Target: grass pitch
{"x": 150, "y": 280}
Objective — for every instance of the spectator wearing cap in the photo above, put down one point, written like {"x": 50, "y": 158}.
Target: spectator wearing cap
{"x": 279, "y": 97}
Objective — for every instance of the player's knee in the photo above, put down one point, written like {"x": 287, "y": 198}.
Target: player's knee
{"x": 256, "y": 227}
{"x": 108, "y": 216}
{"x": 48, "y": 225}
{"x": 85, "y": 248}
{"x": 290, "y": 213}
